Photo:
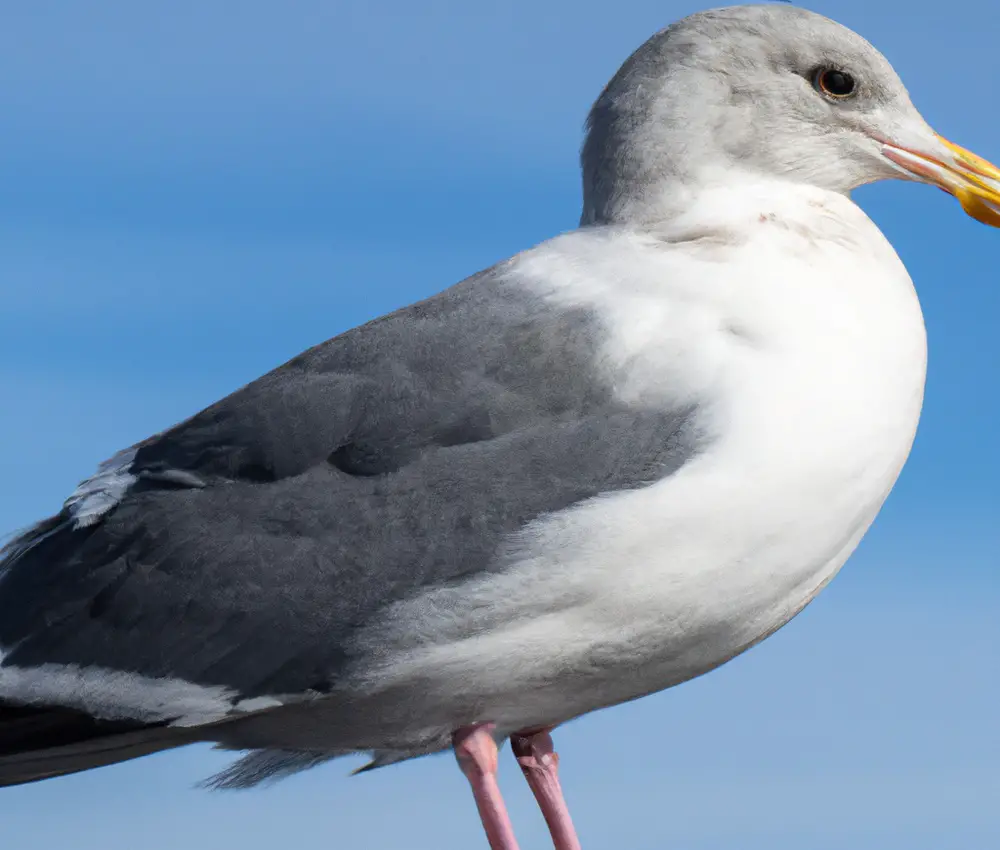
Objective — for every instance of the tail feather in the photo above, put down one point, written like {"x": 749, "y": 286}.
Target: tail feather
{"x": 266, "y": 766}
{"x": 44, "y": 742}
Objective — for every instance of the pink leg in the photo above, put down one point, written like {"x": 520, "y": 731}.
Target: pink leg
{"x": 476, "y": 752}
{"x": 540, "y": 765}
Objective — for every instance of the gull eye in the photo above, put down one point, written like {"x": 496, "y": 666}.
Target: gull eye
{"x": 834, "y": 83}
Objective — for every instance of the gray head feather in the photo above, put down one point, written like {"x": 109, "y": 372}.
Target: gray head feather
{"x": 729, "y": 91}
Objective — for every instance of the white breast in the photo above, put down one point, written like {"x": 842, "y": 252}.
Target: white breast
{"x": 797, "y": 330}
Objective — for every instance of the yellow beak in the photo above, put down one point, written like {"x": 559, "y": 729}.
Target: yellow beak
{"x": 970, "y": 178}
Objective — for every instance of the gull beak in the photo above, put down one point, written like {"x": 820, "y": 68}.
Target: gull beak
{"x": 971, "y": 179}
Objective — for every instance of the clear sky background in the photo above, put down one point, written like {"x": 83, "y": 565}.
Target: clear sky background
{"x": 192, "y": 192}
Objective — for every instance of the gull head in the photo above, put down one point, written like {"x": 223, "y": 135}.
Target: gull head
{"x": 762, "y": 92}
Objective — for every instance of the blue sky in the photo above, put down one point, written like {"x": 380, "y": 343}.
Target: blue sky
{"x": 191, "y": 193}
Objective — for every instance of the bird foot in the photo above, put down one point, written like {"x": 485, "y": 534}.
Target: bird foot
{"x": 540, "y": 765}
{"x": 476, "y": 751}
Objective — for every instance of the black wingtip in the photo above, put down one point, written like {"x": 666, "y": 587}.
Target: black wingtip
{"x": 44, "y": 742}
{"x": 24, "y": 541}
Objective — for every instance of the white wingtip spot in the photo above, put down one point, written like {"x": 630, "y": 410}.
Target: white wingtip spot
{"x": 97, "y": 495}
{"x": 246, "y": 706}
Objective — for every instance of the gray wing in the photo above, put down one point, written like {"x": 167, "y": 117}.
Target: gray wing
{"x": 243, "y": 547}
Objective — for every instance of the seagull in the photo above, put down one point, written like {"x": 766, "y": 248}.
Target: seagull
{"x": 598, "y": 469}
